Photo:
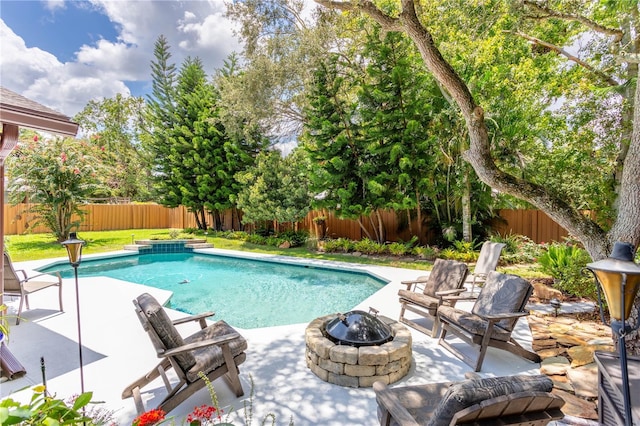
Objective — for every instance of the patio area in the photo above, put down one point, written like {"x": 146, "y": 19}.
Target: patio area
{"x": 116, "y": 350}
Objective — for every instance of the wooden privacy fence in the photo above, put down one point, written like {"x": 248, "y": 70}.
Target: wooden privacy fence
{"x": 105, "y": 217}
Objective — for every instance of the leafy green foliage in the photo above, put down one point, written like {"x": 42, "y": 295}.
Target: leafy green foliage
{"x": 425, "y": 252}
{"x": 195, "y": 158}
{"x": 56, "y": 176}
{"x": 114, "y": 125}
{"x": 368, "y": 246}
{"x": 519, "y": 248}
{"x": 45, "y": 410}
{"x": 275, "y": 189}
{"x": 339, "y": 245}
{"x": 566, "y": 264}
{"x": 398, "y": 249}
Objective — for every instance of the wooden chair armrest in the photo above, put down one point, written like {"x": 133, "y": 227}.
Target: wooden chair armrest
{"x": 413, "y": 283}
{"x": 199, "y": 317}
{"x": 391, "y": 403}
{"x": 452, "y": 291}
{"x": 459, "y": 297}
{"x": 505, "y": 315}
{"x": 196, "y": 345}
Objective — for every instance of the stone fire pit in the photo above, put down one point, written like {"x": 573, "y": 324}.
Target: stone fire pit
{"x": 351, "y": 366}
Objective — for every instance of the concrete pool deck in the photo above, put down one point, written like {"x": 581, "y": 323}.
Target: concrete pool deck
{"x": 116, "y": 351}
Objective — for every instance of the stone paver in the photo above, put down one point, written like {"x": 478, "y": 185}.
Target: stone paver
{"x": 566, "y": 346}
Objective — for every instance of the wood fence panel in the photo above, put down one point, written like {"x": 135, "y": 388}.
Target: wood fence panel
{"x": 103, "y": 217}
{"x": 532, "y": 223}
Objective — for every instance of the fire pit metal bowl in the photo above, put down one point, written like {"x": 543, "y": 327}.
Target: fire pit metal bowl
{"x": 358, "y": 328}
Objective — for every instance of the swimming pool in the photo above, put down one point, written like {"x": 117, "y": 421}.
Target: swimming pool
{"x": 245, "y": 293}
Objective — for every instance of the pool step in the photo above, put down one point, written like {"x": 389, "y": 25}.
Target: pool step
{"x": 136, "y": 247}
{"x": 168, "y": 246}
{"x": 198, "y": 245}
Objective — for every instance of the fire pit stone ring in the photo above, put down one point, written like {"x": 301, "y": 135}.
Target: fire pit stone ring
{"x": 346, "y": 365}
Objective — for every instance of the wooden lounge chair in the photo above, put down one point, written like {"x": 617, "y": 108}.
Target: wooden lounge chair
{"x": 499, "y": 305}
{"x": 423, "y": 295}
{"x": 215, "y": 350}
{"x": 487, "y": 262}
{"x": 509, "y": 400}
{"x": 17, "y": 283}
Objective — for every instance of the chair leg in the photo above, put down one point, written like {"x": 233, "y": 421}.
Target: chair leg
{"x": 515, "y": 348}
{"x": 20, "y": 309}
{"x": 232, "y": 374}
{"x": 60, "y": 297}
{"x": 146, "y": 379}
{"x": 486, "y": 339}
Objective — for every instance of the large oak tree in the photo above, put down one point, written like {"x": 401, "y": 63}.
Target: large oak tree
{"x": 613, "y": 25}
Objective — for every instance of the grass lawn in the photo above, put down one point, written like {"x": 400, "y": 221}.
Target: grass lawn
{"x": 44, "y": 246}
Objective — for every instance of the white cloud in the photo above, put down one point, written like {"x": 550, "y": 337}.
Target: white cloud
{"x": 54, "y": 4}
{"x": 193, "y": 28}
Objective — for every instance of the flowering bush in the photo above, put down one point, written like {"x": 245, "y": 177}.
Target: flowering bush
{"x": 149, "y": 418}
{"x": 205, "y": 415}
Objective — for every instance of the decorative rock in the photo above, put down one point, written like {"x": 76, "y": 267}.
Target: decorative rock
{"x": 583, "y": 355}
{"x": 554, "y": 366}
{"x": 550, "y": 352}
{"x": 285, "y": 245}
{"x": 561, "y": 382}
{"x": 543, "y": 344}
{"x": 577, "y": 407}
{"x": 546, "y": 293}
{"x": 602, "y": 341}
{"x": 584, "y": 380}
{"x": 566, "y": 340}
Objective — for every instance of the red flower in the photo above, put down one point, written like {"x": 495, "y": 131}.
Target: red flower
{"x": 76, "y": 171}
{"x": 35, "y": 138}
{"x": 64, "y": 157}
{"x": 149, "y": 418}
{"x": 204, "y": 412}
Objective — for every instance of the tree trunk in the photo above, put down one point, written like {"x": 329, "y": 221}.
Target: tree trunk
{"x": 467, "y": 234}
{"x": 364, "y": 230}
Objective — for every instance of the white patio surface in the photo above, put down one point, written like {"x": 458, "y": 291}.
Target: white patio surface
{"x": 116, "y": 351}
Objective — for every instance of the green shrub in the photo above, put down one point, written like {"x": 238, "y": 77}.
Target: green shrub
{"x": 461, "y": 251}
{"x": 397, "y": 249}
{"x": 368, "y": 246}
{"x": 340, "y": 245}
{"x": 257, "y": 239}
{"x": 425, "y": 252}
{"x": 296, "y": 238}
{"x": 519, "y": 249}
{"x": 566, "y": 264}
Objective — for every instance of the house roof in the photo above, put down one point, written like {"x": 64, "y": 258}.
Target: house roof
{"x": 19, "y": 111}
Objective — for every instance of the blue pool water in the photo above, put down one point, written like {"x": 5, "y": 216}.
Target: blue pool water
{"x": 245, "y": 293}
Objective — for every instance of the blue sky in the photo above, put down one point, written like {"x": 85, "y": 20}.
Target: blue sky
{"x": 65, "y": 53}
